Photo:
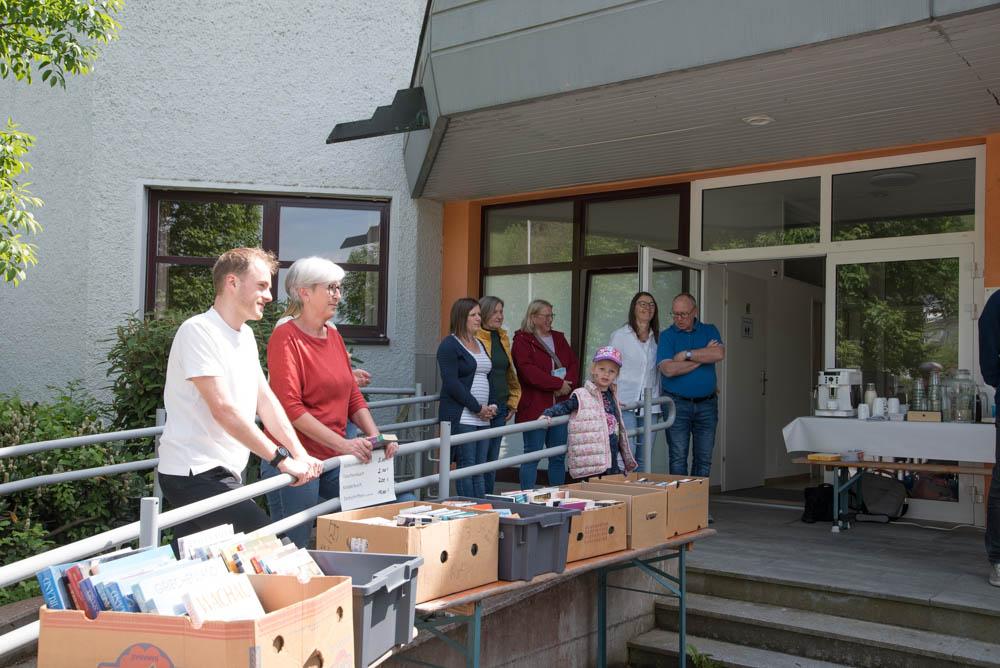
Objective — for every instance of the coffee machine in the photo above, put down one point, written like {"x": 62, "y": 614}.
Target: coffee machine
{"x": 838, "y": 392}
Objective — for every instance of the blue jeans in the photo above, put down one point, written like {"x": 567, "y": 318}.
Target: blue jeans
{"x": 533, "y": 442}
{"x": 470, "y": 454}
{"x": 632, "y": 421}
{"x": 695, "y": 424}
{"x": 290, "y": 500}
{"x": 493, "y": 451}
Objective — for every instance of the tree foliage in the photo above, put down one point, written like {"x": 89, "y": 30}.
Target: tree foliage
{"x": 49, "y": 39}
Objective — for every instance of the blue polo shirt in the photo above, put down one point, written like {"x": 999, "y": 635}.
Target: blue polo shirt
{"x": 700, "y": 382}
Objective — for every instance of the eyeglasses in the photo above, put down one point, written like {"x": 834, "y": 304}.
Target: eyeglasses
{"x": 332, "y": 288}
{"x": 682, "y": 314}
{"x": 649, "y": 306}
{"x": 546, "y": 316}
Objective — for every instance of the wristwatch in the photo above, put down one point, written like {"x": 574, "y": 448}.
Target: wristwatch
{"x": 687, "y": 355}
{"x": 281, "y": 455}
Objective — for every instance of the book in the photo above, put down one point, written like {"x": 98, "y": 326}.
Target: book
{"x": 186, "y": 545}
{"x": 93, "y": 586}
{"x": 224, "y": 598}
{"x": 52, "y": 581}
{"x": 299, "y": 563}
{"x": 76, "y": 573}
{"x": 162, "y": 593}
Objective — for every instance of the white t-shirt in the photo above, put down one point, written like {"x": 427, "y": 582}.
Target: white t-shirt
{"x": 192, "y": 441}
{"x": 480, "y": 385}
{"x": 638, "y": 365}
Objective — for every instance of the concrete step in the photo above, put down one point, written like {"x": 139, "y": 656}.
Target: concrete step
{"x": 658, "y": 649}
{"x": 824, "y": 637}
{"x": 916, "y": 612}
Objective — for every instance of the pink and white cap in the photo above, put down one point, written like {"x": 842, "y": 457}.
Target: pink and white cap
{"x": 608, "y": 353}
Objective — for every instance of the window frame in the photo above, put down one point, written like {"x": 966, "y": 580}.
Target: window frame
{"x": 271, "y": 205}
{"x": 581, "y": 264}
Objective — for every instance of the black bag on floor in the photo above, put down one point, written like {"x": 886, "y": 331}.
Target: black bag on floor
{"x": 819, "y": 504}
{"x": 883, "y": 498}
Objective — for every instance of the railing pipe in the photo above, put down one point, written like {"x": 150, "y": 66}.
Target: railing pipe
{"x": 161, "y": 420}
{"x": 418, "y": 459}
{"x": 78, "y": 441}
{"x": 79, "y": 474}
{"x": 444, "y": 466}
{"x": 406, "y": 401}
{"x": 647, "y": 433}
{"x": 149, "y": 522}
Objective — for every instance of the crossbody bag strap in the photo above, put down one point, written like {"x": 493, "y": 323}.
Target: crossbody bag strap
{"x": 551, "y": 353}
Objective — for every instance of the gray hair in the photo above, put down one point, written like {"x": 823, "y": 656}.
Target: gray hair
{"x": 688, "y": 296}
{"x": 527, "y": 325}
{"x": 305, "y": 273}
{"x": 487, "y": 306}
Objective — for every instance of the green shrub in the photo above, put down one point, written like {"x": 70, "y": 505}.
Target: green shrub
{"x": 39, "y": 519}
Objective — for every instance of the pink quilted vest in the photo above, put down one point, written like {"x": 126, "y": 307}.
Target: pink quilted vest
{"x": 588, "y": 450}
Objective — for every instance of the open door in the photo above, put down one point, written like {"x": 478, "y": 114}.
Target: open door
{"x": 664, "y": 274}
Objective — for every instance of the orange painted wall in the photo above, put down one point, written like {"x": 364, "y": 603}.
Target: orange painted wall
{"x": 462, "y": 219}
{"x": 460, "y": 273}
{"x": 991, "y": 273}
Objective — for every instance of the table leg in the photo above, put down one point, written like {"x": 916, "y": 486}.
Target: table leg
{"x": 474, "y": 631}
{"x": 836, "y": 499}
{"x": 602, "y": 618}
{"x": 682, "y": 607}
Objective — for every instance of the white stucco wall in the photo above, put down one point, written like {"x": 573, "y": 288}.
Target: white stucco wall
{"x": 237, "y": 94}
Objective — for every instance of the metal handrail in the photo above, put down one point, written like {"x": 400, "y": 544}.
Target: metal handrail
{"x": 28, "y": 567}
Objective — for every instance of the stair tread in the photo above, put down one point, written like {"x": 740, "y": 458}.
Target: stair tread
{"x": 665, "y": 642}
{"x": 840, "y": 588}
{"x": 873, "y": 634}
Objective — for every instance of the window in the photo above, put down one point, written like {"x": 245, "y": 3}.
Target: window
{"x": 580, "y": 254}
{"x": 779, "y": 213}
{"x": 904, "y": 201}
{"x": 188, "y": 231}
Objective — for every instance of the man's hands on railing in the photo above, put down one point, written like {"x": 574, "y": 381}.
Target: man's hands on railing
{"x": 303, "y": 469}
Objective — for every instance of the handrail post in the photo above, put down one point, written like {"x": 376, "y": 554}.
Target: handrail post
{"x": 149, "y": 522}
{"x": 647, "y": 429}
{"x": 444, "y": 464}
{"x": 161, "y": 419}
{"x": 418, "y": 457}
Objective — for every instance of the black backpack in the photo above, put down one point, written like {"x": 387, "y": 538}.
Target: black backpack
{"x": 883, "y": 499}
{"x": 819, "y": 504}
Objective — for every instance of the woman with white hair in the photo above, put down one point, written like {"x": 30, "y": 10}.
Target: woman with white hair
{"x": 310, "y": 372}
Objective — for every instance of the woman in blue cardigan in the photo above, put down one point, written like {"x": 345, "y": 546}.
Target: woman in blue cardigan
{"x": 466, "y": 398}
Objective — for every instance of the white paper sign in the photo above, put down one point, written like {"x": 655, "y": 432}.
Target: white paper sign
{"x": 368, "y": 484}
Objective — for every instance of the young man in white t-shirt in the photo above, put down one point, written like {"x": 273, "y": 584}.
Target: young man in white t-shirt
{"x": 214, "y": 388}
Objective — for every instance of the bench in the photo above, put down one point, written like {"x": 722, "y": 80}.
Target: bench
{"x": 844, "y": 481}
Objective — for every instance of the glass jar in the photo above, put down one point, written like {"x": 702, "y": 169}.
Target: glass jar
{"x": 919, "y": 395}
{"x": 934, "y": 398}
{"x": 964, "y": 407}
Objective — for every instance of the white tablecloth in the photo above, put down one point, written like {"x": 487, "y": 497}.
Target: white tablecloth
{"x": 924, "y": 440}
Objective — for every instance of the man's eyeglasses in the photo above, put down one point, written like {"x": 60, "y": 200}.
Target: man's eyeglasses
{"x": 682, "y": 314}
{"x": 647, "y": 306}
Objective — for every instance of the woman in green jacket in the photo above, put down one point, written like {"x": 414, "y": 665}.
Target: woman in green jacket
{"x": 504, "y": 387}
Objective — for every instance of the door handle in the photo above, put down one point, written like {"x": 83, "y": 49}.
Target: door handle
{"x": 763, "y": 382}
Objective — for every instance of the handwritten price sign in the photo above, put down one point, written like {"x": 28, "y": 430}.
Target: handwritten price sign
{"x": 363, "y": 485}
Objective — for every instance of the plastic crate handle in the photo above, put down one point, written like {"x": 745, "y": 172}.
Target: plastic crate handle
{"x": 395, "y": 576}
{"x": 552, "y": 519}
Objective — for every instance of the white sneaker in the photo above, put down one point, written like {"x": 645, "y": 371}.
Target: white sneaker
{"x": 995, "y": 574}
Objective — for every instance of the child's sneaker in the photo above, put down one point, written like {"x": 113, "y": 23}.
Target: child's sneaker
{"x": 995, "y": 574}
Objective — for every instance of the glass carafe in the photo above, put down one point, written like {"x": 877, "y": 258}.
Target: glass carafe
{"x": 964, "y": 407}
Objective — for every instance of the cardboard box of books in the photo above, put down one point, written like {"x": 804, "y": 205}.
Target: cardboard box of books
{"x": 687, "y": 498}
{"x": 647, "y": 510}
{"x": 285, "y": 622}
{"x": 599, "y": 530}
{"x": 458, "y": 553}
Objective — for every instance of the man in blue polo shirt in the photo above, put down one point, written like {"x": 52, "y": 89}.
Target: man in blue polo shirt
{"x": 686, "y": 356}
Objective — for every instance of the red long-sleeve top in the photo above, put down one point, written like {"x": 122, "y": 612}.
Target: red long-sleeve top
{"x": 313, "y": 375}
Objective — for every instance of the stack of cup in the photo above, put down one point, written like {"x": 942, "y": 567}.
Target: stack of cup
{"x": 863, "y": 412}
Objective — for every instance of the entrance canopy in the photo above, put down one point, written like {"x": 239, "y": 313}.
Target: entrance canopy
{"x": 530, "y": 96}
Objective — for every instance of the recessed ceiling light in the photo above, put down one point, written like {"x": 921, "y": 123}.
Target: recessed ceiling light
{"x": 893, "y": 179}
{"x": 758, "y": 119}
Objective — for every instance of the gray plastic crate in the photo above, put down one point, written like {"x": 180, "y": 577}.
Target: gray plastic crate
{"x": 385, "y": 592}
{"x": 533, "y": 543}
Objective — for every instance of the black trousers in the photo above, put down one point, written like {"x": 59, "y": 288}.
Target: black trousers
{"x": 181, "y": 490}
{"x": 993, "y": 508}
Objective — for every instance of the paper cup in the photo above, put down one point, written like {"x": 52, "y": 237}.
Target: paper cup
{"x": 893, "y": 405}
{"x": 863, "y": 413}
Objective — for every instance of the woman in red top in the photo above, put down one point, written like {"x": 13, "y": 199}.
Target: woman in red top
{"x": 547, "y": 369}
{"x": 310, "y": 372}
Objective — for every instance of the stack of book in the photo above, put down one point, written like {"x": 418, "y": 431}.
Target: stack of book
{"x": 208, "y": 582}
{"x": 419, "y": 515}
{"x": 473, "y": 505}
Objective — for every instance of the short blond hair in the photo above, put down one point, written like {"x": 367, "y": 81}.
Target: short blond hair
{"x": 527, "y": 325}
{"x": 237, "y": 261}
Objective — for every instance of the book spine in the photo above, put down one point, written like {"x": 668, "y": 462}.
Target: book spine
{"x": 74, "y": 575}
{"x": 103, "y": 596}
{"x": 49, "y": 581}
{"x": 91, "y": 601}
